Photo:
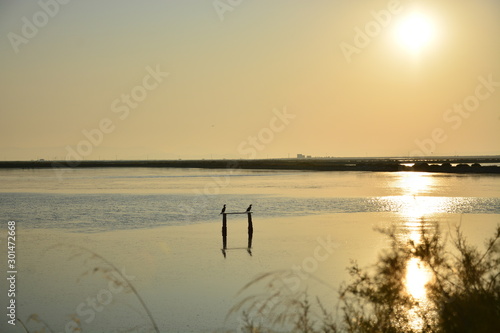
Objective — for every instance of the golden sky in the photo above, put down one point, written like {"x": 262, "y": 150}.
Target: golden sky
{"x": 248, "y": 78}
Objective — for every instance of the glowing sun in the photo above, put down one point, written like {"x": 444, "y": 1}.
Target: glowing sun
{"x": 415, "y": 32}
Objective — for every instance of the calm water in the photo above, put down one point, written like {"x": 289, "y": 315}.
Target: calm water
{"x": 90, "y": 200}
{"x": 180, "y": 272}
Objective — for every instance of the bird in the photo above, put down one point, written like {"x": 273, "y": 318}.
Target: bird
{"x": 223, "y": 209}
{"x": 249, "y": 208}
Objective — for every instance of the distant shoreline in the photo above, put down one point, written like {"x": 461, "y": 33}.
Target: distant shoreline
{"x": 437, "y": 164}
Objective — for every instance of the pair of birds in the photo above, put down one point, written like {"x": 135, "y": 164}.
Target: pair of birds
{"x": 224, "y": 209}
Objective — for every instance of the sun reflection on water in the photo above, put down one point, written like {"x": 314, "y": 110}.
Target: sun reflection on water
{"x": 414, "y": 200}
{"x": 415, "y": 183}
{"x": 413, "y": 204}
{"x": 417, "y": 276}
{"x": 416, "y": 279}
{"x": 415, "y": 207}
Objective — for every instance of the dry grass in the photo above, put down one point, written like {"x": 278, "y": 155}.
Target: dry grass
{"x": 97, "y": 265}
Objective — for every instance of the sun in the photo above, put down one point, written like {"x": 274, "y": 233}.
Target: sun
{"x": 415, "y": 32}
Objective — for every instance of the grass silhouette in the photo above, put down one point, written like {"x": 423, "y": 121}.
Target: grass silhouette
{"x": 109, "y": 272}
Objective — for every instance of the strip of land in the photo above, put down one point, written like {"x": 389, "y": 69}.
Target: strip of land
{"x": 467, "y": 164}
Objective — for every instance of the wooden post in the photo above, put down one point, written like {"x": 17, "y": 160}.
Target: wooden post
{"x": 250, "y": 223}
{"x": 224, "y": 231}
{"x": 250, "y": 233}
{"x": 224, "y": 225}
{"x": 224, "y": 234}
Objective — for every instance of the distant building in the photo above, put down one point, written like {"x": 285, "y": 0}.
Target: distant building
{"x": 309, "y": 156}
{"x": 301, "y": 156}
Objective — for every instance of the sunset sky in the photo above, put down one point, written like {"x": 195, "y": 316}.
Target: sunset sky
{"x": 164, "y": 79}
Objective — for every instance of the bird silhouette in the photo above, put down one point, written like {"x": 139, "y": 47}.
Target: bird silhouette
{"x": 223, "y": 209}
{"x": 249, "y": 208}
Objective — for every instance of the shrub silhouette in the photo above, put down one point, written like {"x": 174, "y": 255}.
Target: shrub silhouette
{"x": 463, "y": 294}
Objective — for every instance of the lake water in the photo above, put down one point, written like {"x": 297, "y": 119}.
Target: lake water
{"x": 90, "y": 200}
{"x": 163, "y": 227}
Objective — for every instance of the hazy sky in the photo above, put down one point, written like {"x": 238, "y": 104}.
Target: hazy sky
{"x": 248, "y": 78}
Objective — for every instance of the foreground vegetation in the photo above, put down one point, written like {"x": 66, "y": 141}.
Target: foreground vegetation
{"x": 463, "y": 293}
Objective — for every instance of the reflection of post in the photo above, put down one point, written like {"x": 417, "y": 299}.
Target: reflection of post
{"x": 224, "y": 234}
{"x": 250, "y": 233}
